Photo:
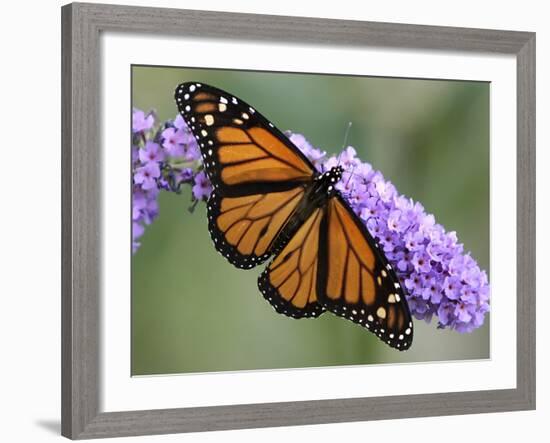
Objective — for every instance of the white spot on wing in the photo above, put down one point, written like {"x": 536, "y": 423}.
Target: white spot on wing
{"x": 209, "y": 119}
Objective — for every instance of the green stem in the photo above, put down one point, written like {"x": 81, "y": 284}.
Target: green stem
{"x": 183, "y": 165}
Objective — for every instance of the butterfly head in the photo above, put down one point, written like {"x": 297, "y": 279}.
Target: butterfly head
{"x": 337, "y": 172}
{"x": 330, "y": 178}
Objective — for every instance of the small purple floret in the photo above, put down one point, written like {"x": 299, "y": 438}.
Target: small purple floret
{"x": 202, "y": 187}
{"x": 142, "y": 122}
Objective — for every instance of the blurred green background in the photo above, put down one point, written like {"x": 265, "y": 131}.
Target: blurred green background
{"x": 194, "y": 312}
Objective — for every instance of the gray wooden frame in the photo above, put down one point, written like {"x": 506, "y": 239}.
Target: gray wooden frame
{"x": 81, "y": 163}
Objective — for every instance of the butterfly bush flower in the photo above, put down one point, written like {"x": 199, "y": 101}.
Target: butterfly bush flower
{"x": 142, "y": 122}
{"x": 164, "y": 157}
{"x": 202, "y": 188}
{"x": 440, "y": 279}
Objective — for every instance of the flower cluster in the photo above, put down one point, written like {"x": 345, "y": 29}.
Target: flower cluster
{"x": 164, "y": 157}
{"x": 440, "y": 279}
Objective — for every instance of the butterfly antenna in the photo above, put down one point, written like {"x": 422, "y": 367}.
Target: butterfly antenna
{"x": 345, "y": 142}
{"x": 346, "y": 135}
{"x": 350, "y": 175}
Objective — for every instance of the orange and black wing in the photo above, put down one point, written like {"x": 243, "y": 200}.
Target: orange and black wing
{"x": 245, "y": 228}
{"x": 356, "y": 281}
{"x": 289, "y": 282}
{"x": 258, "y": 175}
{"x": 240, "y": 148}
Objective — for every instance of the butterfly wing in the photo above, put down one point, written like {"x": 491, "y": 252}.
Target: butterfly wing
{"x": 289, "y": 282}
{"x": 258, "y": 175}
{"x": 245, "y": 228}
{"x": 355, "y": 280}
{"x": 240, "y": 147}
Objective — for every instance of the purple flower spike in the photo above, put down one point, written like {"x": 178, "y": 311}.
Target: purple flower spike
{"x": 439, "y": 278}
{"x": 164, "y": 157}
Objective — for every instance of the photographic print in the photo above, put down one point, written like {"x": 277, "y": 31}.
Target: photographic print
{"x": 345, "y": 201}
{"x": 291, "y": 220}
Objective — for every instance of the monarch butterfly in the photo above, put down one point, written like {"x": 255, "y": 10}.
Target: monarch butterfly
{"x": 269, "y": 200}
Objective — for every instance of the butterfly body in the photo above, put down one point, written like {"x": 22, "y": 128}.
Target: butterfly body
{"x": 268, "y": 200}
{"x": 316, "y": 195}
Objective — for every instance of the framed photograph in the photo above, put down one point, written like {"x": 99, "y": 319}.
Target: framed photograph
{"x": 273, "y": 221}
